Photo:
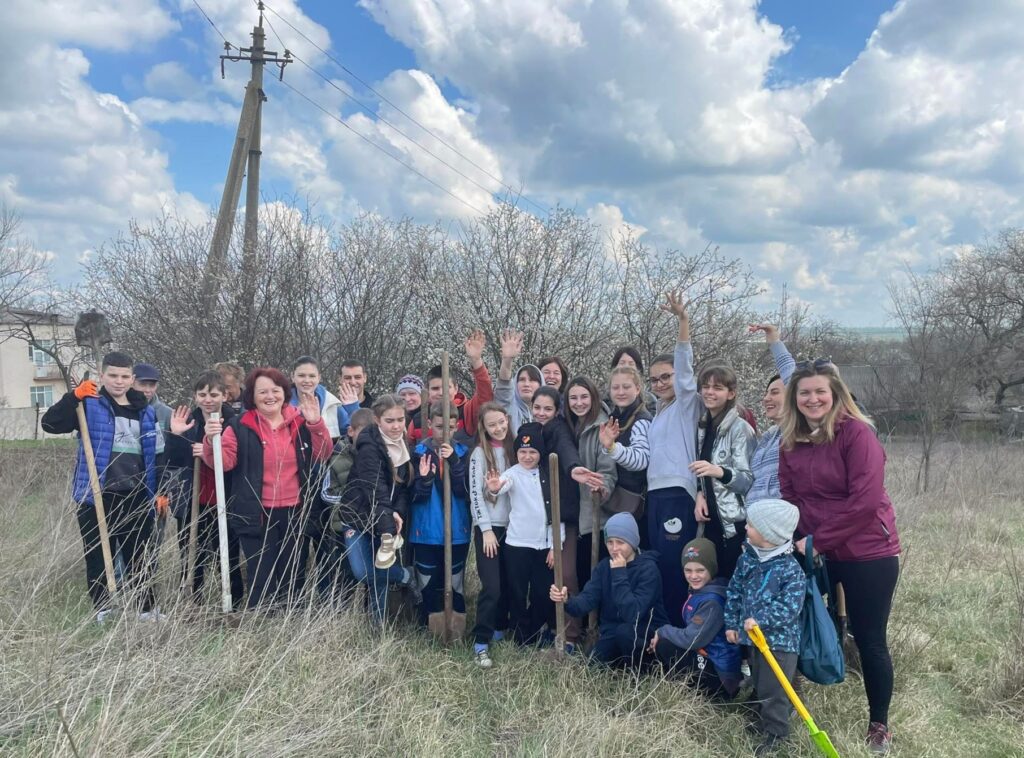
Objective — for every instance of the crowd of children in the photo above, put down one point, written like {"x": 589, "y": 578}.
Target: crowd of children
{"x": 678, "y": 522}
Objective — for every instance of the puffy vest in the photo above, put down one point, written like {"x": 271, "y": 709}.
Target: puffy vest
{"x": 725, "y": 656}
{"x": 99, "y": 420}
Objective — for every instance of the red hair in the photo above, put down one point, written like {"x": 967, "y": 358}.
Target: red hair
{"x": 277, "y": 377}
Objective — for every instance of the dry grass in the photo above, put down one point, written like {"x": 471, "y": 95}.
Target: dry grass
{"x": 315, "y": 683}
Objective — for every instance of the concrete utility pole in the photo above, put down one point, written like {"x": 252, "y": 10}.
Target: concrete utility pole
{"x": 246, "y": 150}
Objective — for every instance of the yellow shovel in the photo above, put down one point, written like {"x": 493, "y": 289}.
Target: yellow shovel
{"x": 819, "y": 737}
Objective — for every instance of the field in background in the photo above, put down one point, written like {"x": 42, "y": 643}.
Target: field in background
{"x": 315, "y": 683}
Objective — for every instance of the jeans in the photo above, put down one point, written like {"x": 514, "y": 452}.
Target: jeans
{"x": 360, "y": 547}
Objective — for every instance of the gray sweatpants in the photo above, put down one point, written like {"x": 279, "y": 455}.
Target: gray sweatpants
{"x": 774, "y": 705}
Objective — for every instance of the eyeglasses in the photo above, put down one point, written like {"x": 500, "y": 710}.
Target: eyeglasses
{"x": 817, "y": 364}
{"x": 662, "y": 378}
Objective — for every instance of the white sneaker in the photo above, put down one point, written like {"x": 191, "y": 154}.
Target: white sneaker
{"x": 153, "y": 615}
{"x": 102, "y": 617}
{"x": 483, "y": 660}
{"x": 385, "y": 557}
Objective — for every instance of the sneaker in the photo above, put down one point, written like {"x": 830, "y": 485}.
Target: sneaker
{"x": 102, "y": 617}
{"x": 153, "y": 615}
{"x": 770, "y": 745}
{"x": 879, "y": 739}
{"x": 745, "y": 670}
{"x": 385, "y": 557}
{"x": 483, "y": 660}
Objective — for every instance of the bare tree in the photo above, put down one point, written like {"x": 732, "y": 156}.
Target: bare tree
{"x": 22, "y": 269}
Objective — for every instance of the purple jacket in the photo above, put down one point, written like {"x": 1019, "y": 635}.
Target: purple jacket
{"x": 840, "y": 491}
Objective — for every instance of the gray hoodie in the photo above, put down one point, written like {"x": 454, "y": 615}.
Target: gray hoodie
{"x": 593, "y": 456}
{"x": 506, "y": 392}
{"x": 673, "y": 433}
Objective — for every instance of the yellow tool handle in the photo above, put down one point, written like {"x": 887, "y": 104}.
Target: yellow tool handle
{"x": 757, "y": 637}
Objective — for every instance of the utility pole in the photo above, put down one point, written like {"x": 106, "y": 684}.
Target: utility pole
{"x": 246, "y": 150}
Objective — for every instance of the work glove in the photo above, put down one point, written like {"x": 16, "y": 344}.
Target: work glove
{"x": 86, "y": 388}
{"x": 163, "y": 506}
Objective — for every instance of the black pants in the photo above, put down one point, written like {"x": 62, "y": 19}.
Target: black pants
{"x": 697, "y": 669}
{"x": 773, "y": 702}
{"x": 271, "y": 559}
{"x": 129, "y": 525}
{"x": 727, "y": 549}
{"x": 208, "y": 555}
{"x": 529, "y": 587}
{"x": 492, "y": 602}
{"x": 429, "y": 563}
{"x": 622, "y": 646}
{"x": 869, "y": 587}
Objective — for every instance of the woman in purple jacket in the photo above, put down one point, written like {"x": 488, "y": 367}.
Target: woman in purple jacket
{"x": 832, "y": 467}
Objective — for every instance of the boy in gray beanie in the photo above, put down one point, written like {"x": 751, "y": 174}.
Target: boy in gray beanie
{"x": 625, "y": 588}
{"x": 768, "y": 589}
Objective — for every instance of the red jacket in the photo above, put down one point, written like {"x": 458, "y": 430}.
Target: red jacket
{"x": 839, "y": 488}
{"x": 469, "y": 408}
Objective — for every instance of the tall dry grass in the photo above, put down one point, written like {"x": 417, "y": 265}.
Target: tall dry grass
{"x": 315, "y": 682}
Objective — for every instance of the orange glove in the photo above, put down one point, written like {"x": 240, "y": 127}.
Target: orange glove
{"x": 86, "y": 388}
{"x": 163, "y": 506}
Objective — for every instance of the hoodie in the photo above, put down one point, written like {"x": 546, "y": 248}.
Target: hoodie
{"x": 506, "y": 392}
{"x": 629, "y": 595}
{"x": 329, "y": 406}
{"x": 593, "y": 456}
{"x": 704, "y": 628}
{"x": 673, "y": 433}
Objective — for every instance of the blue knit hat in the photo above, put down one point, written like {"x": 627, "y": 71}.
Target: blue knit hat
{"x": 623, "y": 526}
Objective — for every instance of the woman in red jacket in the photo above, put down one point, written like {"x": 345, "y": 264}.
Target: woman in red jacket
{"x": 832, "y": 467}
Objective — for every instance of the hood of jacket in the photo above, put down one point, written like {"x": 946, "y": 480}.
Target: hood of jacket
{"x": 525, "y": 410}
{"x": 292, "y": 419}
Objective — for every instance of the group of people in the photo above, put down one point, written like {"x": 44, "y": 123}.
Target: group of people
{"x": 678, "y": 521}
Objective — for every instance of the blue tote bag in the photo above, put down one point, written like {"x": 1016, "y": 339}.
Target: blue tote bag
{"x": 821, "y": 650}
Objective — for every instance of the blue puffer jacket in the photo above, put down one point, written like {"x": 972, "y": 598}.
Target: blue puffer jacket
{"x": 724, "y": 655}
{"x": 427, "y": 527}
{"x": 772, "y": 593}
{"x": 61, "y": 418}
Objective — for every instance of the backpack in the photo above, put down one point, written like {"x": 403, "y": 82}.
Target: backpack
{"x": 821, "y": 650}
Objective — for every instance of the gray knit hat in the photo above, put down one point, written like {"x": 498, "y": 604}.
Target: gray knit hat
{"x": 623, "y": 526}
{"x": 776, "y": 520}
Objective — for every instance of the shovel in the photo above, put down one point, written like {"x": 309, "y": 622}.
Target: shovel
{"x": 222, "y": 522}
{"x": 820, "y": 739}
{"x": 448, "y": 625}
{"x": 556, "y": 547}
{"x": 193, "y": 530}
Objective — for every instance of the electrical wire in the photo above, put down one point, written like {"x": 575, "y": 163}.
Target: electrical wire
{"x": 383, "y": 98}
{"x": 370, "y": 142}
{"x": 210, "y": 20}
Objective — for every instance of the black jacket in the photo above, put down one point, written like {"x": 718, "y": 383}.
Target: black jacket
{"x": 374, "y": 493}
{"x": 179, "y": 446}
{"x": 558, "y": 438}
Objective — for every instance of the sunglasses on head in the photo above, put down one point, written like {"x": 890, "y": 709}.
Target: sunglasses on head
{"x": 817, "y": 364}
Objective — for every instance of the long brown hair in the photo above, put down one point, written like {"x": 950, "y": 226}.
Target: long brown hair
{"x": 483, "y": 439}
{"x": 576, "y": 423}
{"x": 724, "y": 374}
{"x": 794, "y": 427}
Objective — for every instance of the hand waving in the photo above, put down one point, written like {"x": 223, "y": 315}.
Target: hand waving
{"x": 309, "y": 407}
{"x": 676, "y": 305}
{"x": 181, "y": 420}
{"x": 511, "y": 344}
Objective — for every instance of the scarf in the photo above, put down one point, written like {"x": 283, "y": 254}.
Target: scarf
{"x": 626, "y": 416}
{"x": 767, "y": 553}
{"x": 398, "y": 451}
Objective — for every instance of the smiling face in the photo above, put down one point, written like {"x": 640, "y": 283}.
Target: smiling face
{"x": 117, "y": 380}
{"x": 623, "y": 390}
{"x": 392, "y": 423}
{"x": 354, "y": 375}
{"x": 209, "y": 400}
{"x": 526, "y": 386}
{"x": 268, "y": 397}
{"x": 661, "y": 381}
{"x": 543, "y": 409}
{"x": 774, "y": 400}
{"x": 580, "y": 401}
{"x": 232, "y": 387}
{"x": 412, "y": 399}
{"x": 696, "y": 575}
{"x": 434, "y": 390}
{"x": 814, "y": 398}
{"x": 496, "y": 425}
{"x": 528, "y": 457}
{"x": 716, "y": 395}
{"x": 306, "y": 378}
{"x": 552, "y": 374}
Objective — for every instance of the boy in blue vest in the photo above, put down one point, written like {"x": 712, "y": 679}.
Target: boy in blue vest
{"x": 698, "y": 649}
{"x": 128, "y": 446}
{"x": 426, "y": 533}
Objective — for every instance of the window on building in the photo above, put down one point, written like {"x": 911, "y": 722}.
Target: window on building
{"x": 41, "y": 396}
{"x": 38, "y": 352}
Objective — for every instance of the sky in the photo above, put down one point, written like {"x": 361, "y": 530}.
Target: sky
{"x": 827, "y": 145}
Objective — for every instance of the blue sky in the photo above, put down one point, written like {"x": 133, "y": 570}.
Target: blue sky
{"x": 828, "y": 145}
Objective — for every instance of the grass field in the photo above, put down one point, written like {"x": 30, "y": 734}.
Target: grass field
{"x": 319, "y": 684}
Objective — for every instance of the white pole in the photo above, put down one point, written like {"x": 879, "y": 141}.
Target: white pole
{"x": 222, "y": 522}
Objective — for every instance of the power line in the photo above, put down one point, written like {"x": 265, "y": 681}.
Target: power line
{"x": 370, "y": 142}
{"x": 379, "y": 118}
{"x": 227, "y": 45}
{"x": 365, "y": 84}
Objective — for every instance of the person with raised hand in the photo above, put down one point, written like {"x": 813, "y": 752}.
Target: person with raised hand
{"x": 764, "y": 461}
{"x": 272, "y": 451}
{"x": 468, "y": 408}
{"x": 516, "y": 392}
{"x": 671, "y": 486}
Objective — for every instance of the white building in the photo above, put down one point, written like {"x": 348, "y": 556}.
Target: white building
{"x": 30, "y": 376}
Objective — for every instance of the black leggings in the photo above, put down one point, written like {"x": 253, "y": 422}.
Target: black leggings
{"x": 869, "y": 587}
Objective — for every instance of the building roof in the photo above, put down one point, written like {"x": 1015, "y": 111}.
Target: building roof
{"x": 38, "y": 318}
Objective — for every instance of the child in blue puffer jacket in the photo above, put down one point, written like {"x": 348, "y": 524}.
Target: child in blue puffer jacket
{"x": 426, "y": 532}
{"x": 768, "y": 589}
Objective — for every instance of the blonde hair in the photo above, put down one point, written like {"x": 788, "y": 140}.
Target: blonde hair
{"x": 629, "y": 371}
{"x": 794, "y": 428}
